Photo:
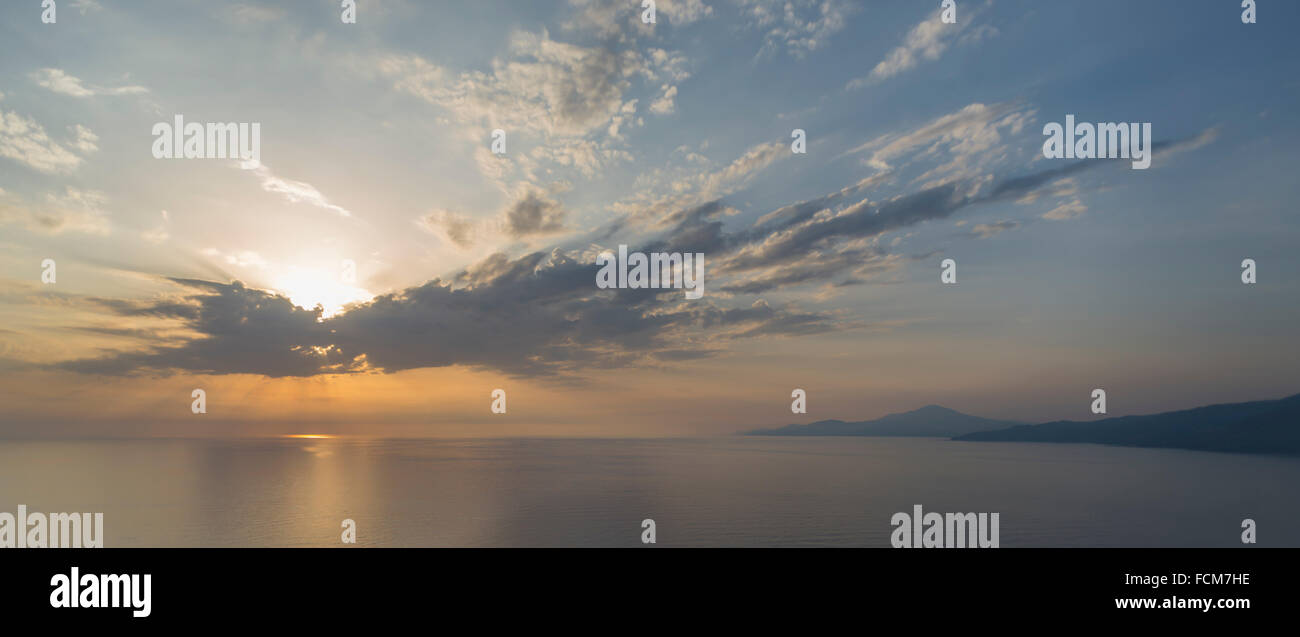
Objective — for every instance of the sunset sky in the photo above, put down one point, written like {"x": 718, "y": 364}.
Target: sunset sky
{"x": 476, "y": 272}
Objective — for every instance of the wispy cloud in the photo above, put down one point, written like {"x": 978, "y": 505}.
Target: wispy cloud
{"x": 663, "y": 196}
{"x": 797, "y": 26}
{"x": 253, "y": 14}
{"x": 24, "y": 140}
{"x": 87, "y": 6}
{"x": 540, "y": 314}
{"x": 925, "y": 42}
{"x": 966, "y": 141}
{"x": 60, "y": 82}
{"x": 987, "y": 230}
{"x": 292, "y": 191}
{"x": 572, "y": 103}
{"x": 74, "y": 210}
{"x": 532, "y": 212}
{"x": 451, "y": 227}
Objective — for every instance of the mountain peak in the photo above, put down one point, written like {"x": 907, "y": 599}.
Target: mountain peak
{"x": 1262, "y": 426}
{"x": 929, "y": 409}
{"x": 928, "y": 421}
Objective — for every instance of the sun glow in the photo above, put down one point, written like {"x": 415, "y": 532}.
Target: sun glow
{"x": 308, "y": 288}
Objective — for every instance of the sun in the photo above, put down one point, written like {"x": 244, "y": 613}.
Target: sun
{"x": 308, "y": 288}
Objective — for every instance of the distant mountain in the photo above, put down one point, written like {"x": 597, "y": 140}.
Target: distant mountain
{"x": 931, "y": 420}
{"x": 1266, "y": 426}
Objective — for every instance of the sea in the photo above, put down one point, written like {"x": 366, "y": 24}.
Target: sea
{"x": 741, "y": 491}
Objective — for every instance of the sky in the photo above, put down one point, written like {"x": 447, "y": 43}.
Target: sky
{"x": 476, "y": 271}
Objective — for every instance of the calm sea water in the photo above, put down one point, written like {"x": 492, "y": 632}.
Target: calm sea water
{"x": 741, "y": 491}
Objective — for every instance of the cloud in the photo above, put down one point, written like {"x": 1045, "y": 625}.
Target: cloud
{"x": 1066, "y": 210}
{"x": 535, "y": 316}
{"x": 24, "y": 140}
{"x": 986, "y": 230}
{"x": 83, "y": 139}
{"x": 667, "y": 64}
{"x": 606, "y": 20}
{"x": 571, "y": 103}
{"x": 251, "y": 14}
{"x": 926, "y": 41}
{"x": 836, "y": 235}
{"x": 1066, "y": 189}
{"x": 797, "y": 26}
{"x": 74, "y": 210}
{"x": 684, "y": 11}
{"x": 804, "y": 210}
{"x": 664, "y": 105}
{"x": 742, "y": 168}
{"x": 243, "y": 258}
{"x": 586, "y": 157}
{"x": 531, "y": 213}
{"x": 662, "y": 197}
{"x": 86, "y": 6}
{"x": 449, "y": 226}
{"x": 853, "y": 266}
{"x": 246, "y": 330}
{"x": 967, "y": 140}
{"x": 541, "y": 315}
{"x": 534, "y": 213}
{"x": 293, "y": 191}
{"x": 545, "y": 87}
{"x": 621, "y": 19}
{"x": 156, "y": 236}
{"x": 60, "y": 82}
{"x": 1170, "y": 148}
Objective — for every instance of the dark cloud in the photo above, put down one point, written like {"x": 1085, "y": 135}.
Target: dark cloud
{"x": 244, "y": 331}
{"x": 810, "y": 244}
{"x": 534, "y": 213}
{"x": 816, "y": 267}
{"x": 542, "y": 314}
{"x": 536, "y": 315}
